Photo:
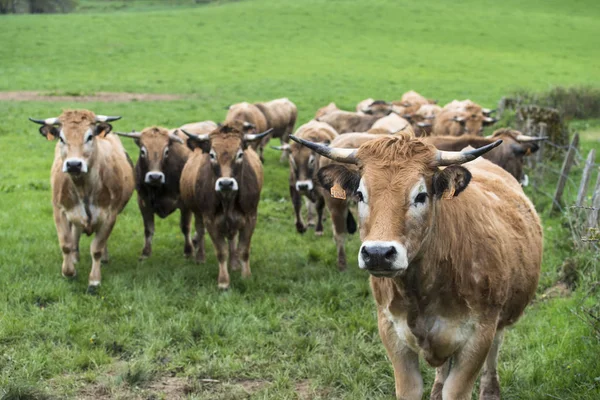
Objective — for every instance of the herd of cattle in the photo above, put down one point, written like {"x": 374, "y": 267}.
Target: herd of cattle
{"x": 454, "y": 252}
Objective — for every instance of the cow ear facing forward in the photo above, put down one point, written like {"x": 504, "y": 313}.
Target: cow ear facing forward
{"x": 50, "y": 132}
{"x": 450, "y": 181}
{"x": 339, "y": 176}
{"x": 196, "y": 144}
{"x": 102, "y": 129}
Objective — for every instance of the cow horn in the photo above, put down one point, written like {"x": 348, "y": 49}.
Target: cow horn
{"x": 490, "y": 120}
{"x": 250, "y": 137}
{"x": 424, "y": 124}
{"x": 198, "y": 138}
{"x": 444, "y": 158}
{"x": 132, "y": 134}
{"x": 458, "y": 119}
{"x": 407, "y": 117}
{"x": 342, "y": 155}
{"x": 283, "y": 147}
{"x": 106, "y": 118}
{"x": 487, "y": 111}
{"x": 430, "y": 117}
{"x": 173, "y": 136}
{"x": 525, "y": 138}
{"x": 47, "y": 121}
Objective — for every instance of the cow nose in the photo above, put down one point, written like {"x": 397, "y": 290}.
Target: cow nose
{"x": 226, "y": 185}
{"x": 74, "y": 166}
{"x": 155, "y": 178}
{"x": 302, "y": 186}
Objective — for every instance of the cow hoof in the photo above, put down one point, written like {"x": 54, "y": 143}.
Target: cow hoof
{"x": 223, "y": 286}
{"x": 70, "y": 275}
{"x": 318, "y": 233}
{"x": 200, "y": 259}
{"x": 300, "y": 228}
{"x": 93, "y": 290}
{"x": 311, "y": 224}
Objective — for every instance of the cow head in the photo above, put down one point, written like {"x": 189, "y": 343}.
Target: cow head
{"x": 303, "y": 166}
{"x": 225, "y": 147}
{"x": 473, "y": 123}
{"x": 77, "y": 132}
{"x": 379, "y": 108}
{"x": 154, "y": 144}
{"x": 398, "y": 186}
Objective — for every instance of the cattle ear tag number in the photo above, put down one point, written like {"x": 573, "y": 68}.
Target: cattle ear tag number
{"x": 337, "y": 192}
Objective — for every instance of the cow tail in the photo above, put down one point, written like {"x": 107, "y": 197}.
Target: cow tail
{"x": 350, "y": 223}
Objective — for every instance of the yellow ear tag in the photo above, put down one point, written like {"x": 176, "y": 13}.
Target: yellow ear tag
{"x": 337, "y": 192}
{"x": 528, "y": 152}
{"x": 449, "y": 194}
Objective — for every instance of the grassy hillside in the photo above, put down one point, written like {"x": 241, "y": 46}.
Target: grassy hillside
{"x": 297, "y": 326}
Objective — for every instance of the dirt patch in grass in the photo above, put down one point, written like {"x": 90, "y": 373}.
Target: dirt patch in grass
{"x": 107, "y": 97}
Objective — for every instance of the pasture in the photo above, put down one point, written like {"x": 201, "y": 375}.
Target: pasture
{"x": 297, "y": 328}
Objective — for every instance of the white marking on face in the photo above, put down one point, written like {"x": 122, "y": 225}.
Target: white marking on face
{"x": 400, "y": 262}
{"x": 84, "y": 167}
{"x": 363, "y": 201}
{"x": 143, "y": 152}
{"x": 225, "y": 181}
{"x": 308, "y": 185}
{"x": 419, "y": 200}
{"x": 148, "y": 177}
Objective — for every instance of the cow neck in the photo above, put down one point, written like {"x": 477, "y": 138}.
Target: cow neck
{"x": 84, "y": 186}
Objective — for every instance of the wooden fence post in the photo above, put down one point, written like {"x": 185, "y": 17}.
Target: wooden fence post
{"x": 585, "y": 179}
{"x": 564, "y": 173}
{"x": 594, "y": 214}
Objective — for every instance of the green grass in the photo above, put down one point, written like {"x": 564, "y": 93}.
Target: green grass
{"x": 297, "y": 321}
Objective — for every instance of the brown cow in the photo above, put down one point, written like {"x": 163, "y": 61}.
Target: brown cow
{"x": 454, "y": 256}
{"x": 304, "y": 165}
{"x": 92, "y": 181}
{"x": 391, "y": 123}
{"x": 364, "y": 104}
{"x": 326, "y": 110}
{"x": 278, "y": 115}
{"x": 509, "y": 155}
{"x": 157, "y": 173}
{"x": 455, "y": 123}
{"x": 411, "y": 101}
{"x": 221, "y": 184}
{"x": 468, "y": 106}
{"x": 346, "y": 121}
{"x": 422, "y": 120}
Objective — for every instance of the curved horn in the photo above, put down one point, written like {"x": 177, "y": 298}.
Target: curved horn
{"x": 198, "y": 138}
{"x": 283, "y": 147}
{"x": 458, "y": 119}
{"x": 132, "y": 134}
{"x": 424, "y": 124}
{"x": 525, "y": 138}
{"x": 258, "y": 136}
{"x": 444, "y": 158}
{"x": 173, "y": 136}
{"x": 342, "y": 155}
{"x": 47, "y": 121}
{"x": 106, "y": 118}
{"x": 487, "y": 111}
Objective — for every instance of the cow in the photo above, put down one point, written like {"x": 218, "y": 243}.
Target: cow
{"x": 391, "y": 123}
{"x": 509, "y": 155}
{"x": 92, "y": 181}
{"x": 326, "y": 110}
{"x": 410, "y": 102}
{"x": 379, "y": 108}
{"x": 304, "y": 165}
{"x": 422, "y": 119}
{"x": 278, "y": 115}
{"x": 364, "y": 104}
{"x": 346, "y": 121}
{"x": 163, "y": 154}
{"x": 468, "y": 106}
{"x": 454, "y": 256}
{"x": 221, "y": 183}
{"x": 455, "y": 123}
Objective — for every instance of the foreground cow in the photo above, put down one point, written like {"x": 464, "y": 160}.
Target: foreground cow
{"x": 509, "y": 155}
{"x": 278, "y": 115}
{"x": 157, "y": 173}
{"x": 221, "y": 184}
{"x": 454, "y": 256}
{"x": 304, "y": 165}
{"x": 92, "y": 181}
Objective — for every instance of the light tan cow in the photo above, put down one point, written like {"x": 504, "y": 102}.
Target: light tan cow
{"x": 92, "y": 181}
{"x": 326, "y": 110}
{"x": 422, "y": 120}
{"x": 391, "y": 123}
{"x": 454, "y": 255}
{"x": 455, "y": 123}
{"x": 410, "y": 102}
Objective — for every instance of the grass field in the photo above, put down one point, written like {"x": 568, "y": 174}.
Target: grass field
{"x": 297, "y": 328}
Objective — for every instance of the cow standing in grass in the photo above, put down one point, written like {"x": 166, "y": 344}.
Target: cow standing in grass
{"x": 462, "y": 118}
{"x": 346, "y": 121}
{"x": 454, "y": 255}
{"x": 157, "y": 174}
{"x": 304, "y": 165}
{"x": 221, "y": 184}
{"x": 92, "y": 181}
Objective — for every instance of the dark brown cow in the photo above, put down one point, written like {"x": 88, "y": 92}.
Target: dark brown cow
{"x": 92, "y": 181}
{"x": 304, "y": 165}
{"x": 221, "y": 184}
{"x": 454, "y": 256}
{"x": 509, "y": 155}
{"x": 157, "y": 173}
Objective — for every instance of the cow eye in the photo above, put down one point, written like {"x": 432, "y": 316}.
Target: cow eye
{"x": 240, "y": 155}
{"x": 213, "y": 155}
{"x": 61, "y": 139}
{"x": 360, "y": 196}
{"x": 311, "y": 160}
{"x": 421, "y": 198}
{"x": 166, "y": 152}
{"x": 143, "y": 152}
{"x": 89, "y": 138}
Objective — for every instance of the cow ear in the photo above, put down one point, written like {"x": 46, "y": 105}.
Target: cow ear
{"x": 340, "y": 176}
{"x": 103, "y": 129}
{"x": 203, "y": 145}
{"x": 450, "y": 181}
{"x": 50, "y": 132}
{"x": 524, "y": 149}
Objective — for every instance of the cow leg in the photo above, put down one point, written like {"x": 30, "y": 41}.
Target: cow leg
{"x": 244, "y": 244}
{"x": 297, "y": 203}
{"x": 97, "y": 248}
{"x": 185, "y": 222}
{"x": 148, "y": 217}
{"x": 441, "y": 373}
{"x": 105, "y": 259}
{"x": 489, "y": 388}
{"x": 338, "y": 210}
{"x": 320, "y": 205}
{"x": 407, "y": 376}
{"x": 66, "y": 243}
{"x": 467, "y": 363}
{"x": 310, "y": 206}
{"x": 76, "y": 234}
{"x": 234, "y": 261}
{"x": 199, "y": 239}
{"x": 220, "y": 245}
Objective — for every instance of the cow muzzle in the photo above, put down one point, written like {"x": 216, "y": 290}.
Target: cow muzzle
{"x": 304, "y": 186}
{"x": 154, "y": 178}
{"x": 75, "y": 166}
{"x": 383, "y": 258}
{"x": 226, "y": 185}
